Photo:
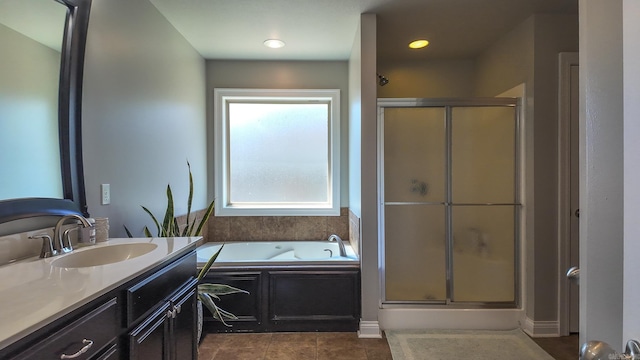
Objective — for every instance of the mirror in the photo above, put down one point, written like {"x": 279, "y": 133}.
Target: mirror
{"x": 40, "y": 107}
{"x": 30, "y": 73}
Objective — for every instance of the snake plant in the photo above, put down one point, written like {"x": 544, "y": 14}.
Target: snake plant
{"x": 169, "y": 226}
{"x": 207, "y": 293}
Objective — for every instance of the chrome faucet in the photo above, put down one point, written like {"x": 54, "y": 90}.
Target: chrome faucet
{"x": 336, "y": 238}
{"x": 59, "y": 235}
{"x": 47, "y": 245}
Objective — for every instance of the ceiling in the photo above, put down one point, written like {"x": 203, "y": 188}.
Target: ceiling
{"x": 325, "y": 29}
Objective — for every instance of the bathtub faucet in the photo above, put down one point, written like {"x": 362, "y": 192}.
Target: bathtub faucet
{"x": 336, "y": 238}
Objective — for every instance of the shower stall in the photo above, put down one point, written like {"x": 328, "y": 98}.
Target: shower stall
{"x": 449, "y": 203}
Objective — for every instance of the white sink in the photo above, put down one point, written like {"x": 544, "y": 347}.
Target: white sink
{"x": 103, "y": 255}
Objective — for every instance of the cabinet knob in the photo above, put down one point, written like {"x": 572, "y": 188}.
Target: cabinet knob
{"x": 172, "y": 313}
{"x": 87, "y": 345}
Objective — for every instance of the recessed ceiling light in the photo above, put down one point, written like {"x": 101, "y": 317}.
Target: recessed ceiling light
{"x": 274, "y": 43}
{"x": 418, "y": 44}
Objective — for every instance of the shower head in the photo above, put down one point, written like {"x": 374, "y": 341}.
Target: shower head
{"x": 382, "y": 80}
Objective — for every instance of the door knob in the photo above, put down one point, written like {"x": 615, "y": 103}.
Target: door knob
{"x": 600, "y": 350}
{"x": 597, "y": 350}
{"x": 573, "y": 273}
{"x": 577, "y": 213}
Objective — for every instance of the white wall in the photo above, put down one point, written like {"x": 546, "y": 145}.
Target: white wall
{"x": 631, "y": 58}
{"x": 601, "y": 171}
{"x": 285, "y": 75}
{"x": 529, "y": 55}
{"x": 369, "y": 172}
{"x": 143, "y": 114}
{"x": 505, "y": 64}
{"x": 418, "y": 79}
{"x": 355, "y": 125}
{"x": 553, "y": 34}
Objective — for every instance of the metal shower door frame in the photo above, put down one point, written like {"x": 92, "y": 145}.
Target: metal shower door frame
{"x": 448, "y": 104}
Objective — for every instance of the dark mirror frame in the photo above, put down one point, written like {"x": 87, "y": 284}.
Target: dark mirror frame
{"x": 69, "y": 125}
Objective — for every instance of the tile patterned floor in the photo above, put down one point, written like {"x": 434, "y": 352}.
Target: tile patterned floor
{"x": 293, "y": 346}
{"x": 330, "y": 346}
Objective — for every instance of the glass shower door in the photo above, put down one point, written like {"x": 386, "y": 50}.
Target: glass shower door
{"x": 414, "y": 210}
{"x": 483, "y": 203}
{"x": 450, "y": 206}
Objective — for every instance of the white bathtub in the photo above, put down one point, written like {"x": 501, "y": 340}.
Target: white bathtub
{"x": 277, "y": 253}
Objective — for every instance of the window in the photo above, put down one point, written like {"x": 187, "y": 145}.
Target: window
{"x": 277, "y": 152}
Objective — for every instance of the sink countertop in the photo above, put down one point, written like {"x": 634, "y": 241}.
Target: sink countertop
{"x": 34, "y": 293}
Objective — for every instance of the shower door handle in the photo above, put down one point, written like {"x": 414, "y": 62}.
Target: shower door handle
{"x": 573, "y": 273}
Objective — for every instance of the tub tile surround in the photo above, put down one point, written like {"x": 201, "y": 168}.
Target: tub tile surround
{"x": 182, "y": 221}
{"x": 271, "y": 228}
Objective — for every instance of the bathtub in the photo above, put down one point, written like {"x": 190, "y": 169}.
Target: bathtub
{"x": 277, "y": 253}
{"x": 292, "y": 285}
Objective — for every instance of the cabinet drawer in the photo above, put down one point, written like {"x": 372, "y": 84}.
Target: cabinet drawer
{"x": 143, "y": 298}
{"x": 92, "y": 331}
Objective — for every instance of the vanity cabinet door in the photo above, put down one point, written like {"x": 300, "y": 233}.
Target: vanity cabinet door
{"x": 183, "y": 337}
{"x": 149, "y": 340}
{"x": 112, "y": 353}
{"x": 145, "y": 295}
{"x": 169, "y": 333}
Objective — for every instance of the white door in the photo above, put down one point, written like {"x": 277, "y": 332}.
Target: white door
{"x": 631, "y": 88}
{"x": 568, "y": 192}
{"x": 609, "y": 186}
{"x": 574, "y": 238}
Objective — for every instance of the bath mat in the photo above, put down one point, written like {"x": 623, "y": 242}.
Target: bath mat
{"x": 463, "y": 344}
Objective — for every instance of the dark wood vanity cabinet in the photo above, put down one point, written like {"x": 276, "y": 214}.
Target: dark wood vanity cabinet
{"x": 88, "y": 337}
{"x": 183, "y": 337}
{"x": 150, "y": 317}
{"x": 169, "y": 332}
{"x": 161, "y": 316}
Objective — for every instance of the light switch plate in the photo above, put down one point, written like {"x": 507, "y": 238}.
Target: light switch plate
{"x": 105, "y": 190}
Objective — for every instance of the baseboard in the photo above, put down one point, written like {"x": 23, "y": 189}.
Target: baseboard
{"x": 369, "y": 330}
{"x": 540, "y": 328}
{"x": 459, "y": 319}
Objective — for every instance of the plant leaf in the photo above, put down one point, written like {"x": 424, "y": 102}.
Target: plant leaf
{"x": 185, "y": 231}
{"x": 205, "y": 217}
{"x": 227, "y": 314}
{"x": 207, "y": 266}
{"x": 153, "y": 218}
{"x": 191, "y": 228}
{"x": 190, "y": 198}
{"x": 167, "y": 223}
{"x": 147, "y": 233}
{"x": 176, "y": 228}
{"x": 127, "y": 231}
{"x": 215, "y": 311}
{"x": 220, "y": 289}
